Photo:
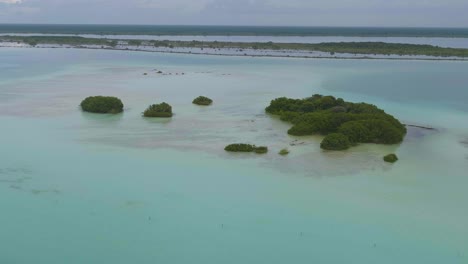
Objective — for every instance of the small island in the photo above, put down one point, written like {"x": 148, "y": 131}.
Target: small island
{"x": 284, "y": 152}
{"x": 344, "y": 124}
{"x": 202, "y": 100}
{"x": 102, "y": 105}
{"x": 158, "y": 110}
{"x": 239, "y": 147}
{"x": 391, "y": 158}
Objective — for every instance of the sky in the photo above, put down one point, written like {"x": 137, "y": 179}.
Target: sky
{"x": 406, "y": 13}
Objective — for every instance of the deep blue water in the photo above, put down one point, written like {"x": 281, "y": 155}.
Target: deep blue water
{"x": 235, "y": 30}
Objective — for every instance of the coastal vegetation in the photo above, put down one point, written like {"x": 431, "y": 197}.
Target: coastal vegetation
{"x": 261, "y": 150}
{"x": 284, "y": 152}
{"x": 102, "y": 105}
{"x": 239, "y": 147}
{"x": 335, "y": 141}
{"x": 344, "y": 124}
{"x": 391, "y": 158}
{"x": 59, "y": 40}
{"x": 202, "y": 100}
{"x": 333, "y": 48}
{"x": 158, "y": 110}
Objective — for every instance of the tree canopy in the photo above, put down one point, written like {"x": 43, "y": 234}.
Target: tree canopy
{"x": 324, "y": 115}
{"x": 158, "y": 110}
{"x": 102, "y": 105}
{"x": 202, "y": 100}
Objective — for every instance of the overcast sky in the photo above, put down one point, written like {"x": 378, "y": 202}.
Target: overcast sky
{"x": 431, "y": 13}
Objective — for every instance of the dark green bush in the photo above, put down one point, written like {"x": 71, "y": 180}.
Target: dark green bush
{"x": 356, "y": 131}
{"x": 246, "y": 148}
{"x": 261, "y": 150}
{"x": 102, "y": 105}
{"x": 284, "y": 152}
{"x": 240, "y": 148}
{"x": 202, "y": 100}
{"x": 383, "y": 132}
{"x": 335, "y": 141}
{"x": 158, "y": 110}
{"x": 391, "y": 158}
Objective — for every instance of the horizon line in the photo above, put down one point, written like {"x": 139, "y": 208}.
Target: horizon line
{"x": 226, "y": 25}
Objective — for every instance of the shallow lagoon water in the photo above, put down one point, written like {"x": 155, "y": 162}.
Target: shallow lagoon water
{"x": 84, "y": 188}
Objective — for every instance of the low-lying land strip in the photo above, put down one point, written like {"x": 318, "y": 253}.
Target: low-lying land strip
{"x": 333, "y": 49}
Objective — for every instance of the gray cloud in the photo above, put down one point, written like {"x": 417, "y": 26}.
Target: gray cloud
{"x": 239, "y": 12}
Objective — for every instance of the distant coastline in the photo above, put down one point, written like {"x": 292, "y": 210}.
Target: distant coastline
{"x": 337, "y": 50}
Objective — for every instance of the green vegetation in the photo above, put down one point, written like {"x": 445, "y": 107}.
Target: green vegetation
{"x": 364, "y": 48}
{"x": 59, "y": 40}
{"x": 335, "y": 141}
{"x": 134, "y": 42}
{"x": 284, "y": 152}
{"x": 102, "y": 105}
{"x": 391, "y": 158}
{"x": 158, "y": 110}
{"x": 240, "y": 148}
{"x": 202, "y": 100}
{"x": 261, "y": 150}
{"x": 246, "y": 148}
{"x": 326, "y": 115}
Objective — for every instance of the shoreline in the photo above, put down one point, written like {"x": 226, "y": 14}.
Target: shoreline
{"x": 330, "y": 50}
{"x": 253, "y": 55}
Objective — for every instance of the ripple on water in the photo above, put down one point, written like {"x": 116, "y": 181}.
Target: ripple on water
{"x": 45, "y": 191}
{"x": 15, "y": 176}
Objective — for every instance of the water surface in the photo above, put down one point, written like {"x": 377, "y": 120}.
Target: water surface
{"x": 85, "y": 188}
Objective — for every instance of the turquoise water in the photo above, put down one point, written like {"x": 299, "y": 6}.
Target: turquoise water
{"x": 84, "y": 188}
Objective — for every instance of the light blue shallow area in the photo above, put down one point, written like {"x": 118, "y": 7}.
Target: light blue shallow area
{"x": 85, "y": 188}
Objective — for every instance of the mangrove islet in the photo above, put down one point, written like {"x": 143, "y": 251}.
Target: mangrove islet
{"x": 158, "y": 110}
{"x": 102, "y": 105}
{"x": 202, "y": 100}
{"x": 240, "y": 147}
{"x": 344, "y": 124}
{"x": 390, "y": 158}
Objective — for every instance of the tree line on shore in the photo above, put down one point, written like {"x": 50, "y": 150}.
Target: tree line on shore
{"x": 364, "y": 48}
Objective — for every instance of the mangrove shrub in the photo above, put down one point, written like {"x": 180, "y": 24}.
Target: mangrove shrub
{"x": 239, "y": 147}
{"x": 202, "y": 100}
{"x": 335, "y": 141}
{"x": 391, "y": 158}
{"x": 102, "y": 105}
{"x": 158, "y": 110}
